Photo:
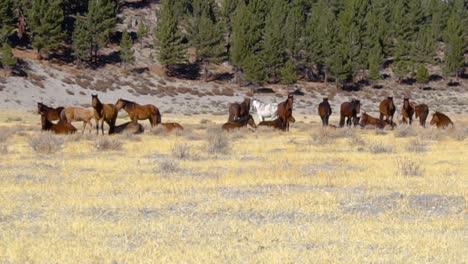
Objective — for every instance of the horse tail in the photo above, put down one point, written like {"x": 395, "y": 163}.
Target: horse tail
{"x": 63, "y": 115}
{"x": 158, "y": 116}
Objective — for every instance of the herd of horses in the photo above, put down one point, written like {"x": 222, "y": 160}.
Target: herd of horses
{"x": 279, "y": 115}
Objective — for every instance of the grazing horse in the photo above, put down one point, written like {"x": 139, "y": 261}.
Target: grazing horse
{"x": 62, "y": 127}
{"x": 407, "y": 111}
{"x": 277, "y": 123}
{"x": 75, "y": 114}
{"x": 421, "y": 112}
{"x": 367, "y": 120}
{"x": 387, "y": 109}
{"x": 324, "y": 111}
{"x": 140, "y": 112}
{"x": 240, "y": 122}
{"x": 285, "y": 111}
{"x": 105, "y": 112}
{"x": 238, "y": 110}
{"x": 349, "y": 111}
{"x": 171, "y": 126}
{"x": 265, "y": 110}
{"x": 50, "y": 113}
{"x": 441, "y": 120}
{"x": 129, "y": 127}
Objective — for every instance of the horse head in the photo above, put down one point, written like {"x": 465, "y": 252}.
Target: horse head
{"x": 356, "y": 104}
{"x": 40, "y": 107}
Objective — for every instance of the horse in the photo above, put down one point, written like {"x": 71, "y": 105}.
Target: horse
{"x": 441, "y": 120}
{"x": 277, "y": 123}
{"x": 324, "y": 111}
{"x": 367, "y": 120}
{"x": 50, "y": 113}
{"x": 387, "y": 109}
{"x": 62, "y": 127}
{"x": 129, "y": 127}
{"x": 171, "y": 126}
{"x": 75, "y": 114}
{"x": 285, "y": 111}
{"x": 421, "y": 112}
{"x": 349, "y": 111}
{"x": 240, "y": 122}
{"x": 238, "y": 110}
{"x": 265, "y": 110}
{"x": 140, "y": 112}
{"x": 105, "y": 112}
{"x": 407, "y": 111}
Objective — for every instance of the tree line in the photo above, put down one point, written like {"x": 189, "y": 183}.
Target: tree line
{"x": 264, "y": 40}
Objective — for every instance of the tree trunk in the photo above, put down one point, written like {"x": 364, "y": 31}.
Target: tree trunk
{"x": 205, "y": 69}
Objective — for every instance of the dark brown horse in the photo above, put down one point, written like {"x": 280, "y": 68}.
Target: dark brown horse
{"x": 349, "y": 111}
{"x": 421, "y": 112}
{"x": 52, "y": 114}
{"x": 441, "y": 120}
{"x": 129, "y": 127}
{"x": 407, "y": 111}
{"x": 387, "y": 109}
{"x": 105, "y": 112}
{"x": 240, "y": 122}
{"x": 277, "y": 123}
{"x": 140, "y": 112}
{"x": 238, "y": 110}
{"x": 62, "y": 127}
{"x": 324, "y": 111}
{"x": 285, "y": 111}
{"x": 171, "y": 126}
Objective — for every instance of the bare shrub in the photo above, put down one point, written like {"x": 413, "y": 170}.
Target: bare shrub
{"x": 3, "y": 149}
{"x": 378, "y": 148}
{"x": 181, "y": 151}
{"x": 322, "y": 137}
{"x": 158, "y": 130}
{"x": 417, "y": 146}
{"x": 356, "y": 140}
{"x": 432, "y": 134}
{"x": 458, "y": 134}
{"x": 5, "y": 133}
{"x": 46, "y": 143}
{"x": 380, "y": 132}
{"x": 405, "y": 130}
{"x": 167, "y": 166}
{"x": 108, "y": 143}
{"x": 408, "y": 168}
{"x": 218, "y": 143}
{"x": 77, "y": 137}
{"x": 205, "y": 121}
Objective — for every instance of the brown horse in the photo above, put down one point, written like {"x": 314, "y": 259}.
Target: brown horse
{"x": 129, "y": 127}
{"x": 421, "y": 112}
{"x": 407, "y": 111}
{"x": 75, "y": 114}
{"x": 171, "y": 126}
{"x": 62, "y": 127}
{"x": 285, "y": 111}
{"x": 50, "y": 113}
{"x": 387, "y": 109}
{"x": 324, "y": 111}
{"x": 349, "y": 111}
{"x": 238, "y": 110}
{"x": 105, "y": 112}
{"x": 140, "y": 112}
{"x": 367, "y": 120}
{"x": 277, "y": 123}
{"x": 240, "y": 122}
{"x": 441, "y": 120}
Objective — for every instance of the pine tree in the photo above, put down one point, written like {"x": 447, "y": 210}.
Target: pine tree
{"x": 374, "y": 59}
{"x": 101, "y": 22}
{"x": 8, "y": 59}
{"x": 438, "y": 18}
{"x": 45, "y": 20}
{"x": 82, "y": 41}
{"x": 288, "y": 74}
{"x": 274, "y": 45}
{"x": 293, "y": 29}
{"x": 403, "y": 35}
{"x": 168, "y": 37}
{"x": 254, "y": 69}
{"x": 228, "y": 9}
{"x": 7, "y": 19}
{"x": 454, "y": 38}
{"x": 127, "y": 54}
{"x": 239, "y": 46}
{"x": 143, "y": 32}
{"x": 423, "y": 48}
{"x": 422, "y": 74}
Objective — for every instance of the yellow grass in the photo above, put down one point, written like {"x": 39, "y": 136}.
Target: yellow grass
{"x": 275, "y": 198}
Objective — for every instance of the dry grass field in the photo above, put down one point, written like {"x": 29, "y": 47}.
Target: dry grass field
{"x": 204, "y": 196}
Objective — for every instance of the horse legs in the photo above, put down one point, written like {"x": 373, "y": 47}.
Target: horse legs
{"x": 84, "y": 126}
{"x": 97, "y": 127}
{"x": 391, "y": 121}
{"x": 102, "y": 126}
{"x": 342, "y": 120}
{"x": 381, "y": 121}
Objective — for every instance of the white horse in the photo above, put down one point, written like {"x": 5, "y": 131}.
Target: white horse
{"x": 265, "y": 110}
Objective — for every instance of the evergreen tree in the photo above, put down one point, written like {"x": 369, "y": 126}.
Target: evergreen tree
{"x": 82, "y": 41}
{"x": 288, "y": 74}
{"x": 403, "y": 35}
{"x": 423, "y": 47}
{"x": 7, "y": 19}
{"x": 45, "y": 20}
{"x": 127, "y": 54}
{"x": 438, "y": 18}
{"x": 240, "y": 26}
{"x": 254, "y": 69}
{"x": 143, "y": 31}
{"x": 228, "y": 9}
{"x": 293, "y": 29}
{"x": 422, "y": 74}
{"x": 454, "y": 38}
{"x": 274, "y": 45}
{"x": 7, "y": 60}
{"x": 101, "y": 22}
{"x": 374, "y": 59}
{"x": 168, "y": 37}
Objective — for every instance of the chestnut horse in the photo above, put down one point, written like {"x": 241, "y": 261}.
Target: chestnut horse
{"x": 285, "y": 111}
{"x": 129, "y": 127}
{"x": 421, "y": 112}
{"x": 349, "y": 111}
{"x": 105, "y": 112}
{"x": 140, "y": 112}
{"x": 367, "y": 120}
{"x": 238, "y": 110}
{"x": 387, "y": 109}
{"x": 62, "y": 127}
{"x": 50, "y": 113}
{"x": 240, "y": 122}
{"x": 324, "y": 111}
{"x": 72, "y": 114}
{"x": 277, "y": 123}
{"x": 441, "y": 120}
{"x": 407, "y": 111}
{"x": 171, "y": 126}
